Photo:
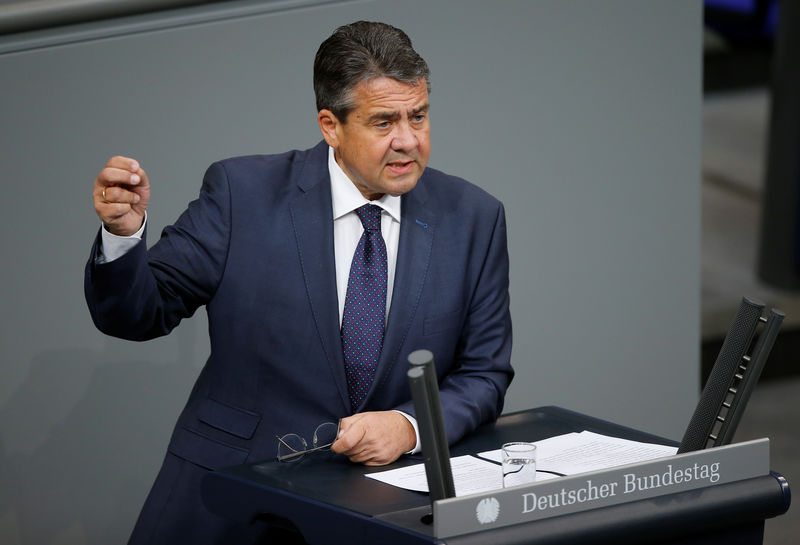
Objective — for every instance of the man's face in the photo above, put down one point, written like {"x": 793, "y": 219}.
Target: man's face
{"x": 384, "y": 144}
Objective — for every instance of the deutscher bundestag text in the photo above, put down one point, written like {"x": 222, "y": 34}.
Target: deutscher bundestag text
{"x": 631, "y": 482}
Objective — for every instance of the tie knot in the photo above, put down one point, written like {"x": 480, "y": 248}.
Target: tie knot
{"x": 370, "y": 216}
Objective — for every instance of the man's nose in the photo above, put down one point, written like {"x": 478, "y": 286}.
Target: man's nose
{"x": 404, "y": 138}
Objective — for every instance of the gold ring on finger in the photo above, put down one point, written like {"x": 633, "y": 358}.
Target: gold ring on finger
{"x": 104, "y": 195}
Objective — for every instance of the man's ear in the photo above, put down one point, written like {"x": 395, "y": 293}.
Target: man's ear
{"x": 329, "y": 126}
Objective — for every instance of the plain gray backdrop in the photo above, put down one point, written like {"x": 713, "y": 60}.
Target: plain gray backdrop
{"x": 583, "y": 117}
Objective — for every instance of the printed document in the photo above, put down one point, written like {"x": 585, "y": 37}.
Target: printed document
{"x": 562, "y": 455}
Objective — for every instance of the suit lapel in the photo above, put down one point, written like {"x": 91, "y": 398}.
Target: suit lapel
{"x": 312, "y": 217}
{"x": 417, "y": 229}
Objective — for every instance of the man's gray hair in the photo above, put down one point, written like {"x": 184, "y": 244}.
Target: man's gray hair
{"x": 359, "y": 52}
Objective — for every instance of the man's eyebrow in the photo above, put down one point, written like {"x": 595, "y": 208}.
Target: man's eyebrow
{"x": 394, "y": 115}
{"x": 383, "y": 116}
{"x": 420, "y": 110}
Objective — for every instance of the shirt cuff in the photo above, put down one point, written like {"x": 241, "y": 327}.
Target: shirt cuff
{"x": 417, "y": 447}
{"x": 113, "y": 246}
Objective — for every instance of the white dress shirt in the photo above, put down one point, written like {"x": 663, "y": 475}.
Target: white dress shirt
{"x": 347, "y": 230}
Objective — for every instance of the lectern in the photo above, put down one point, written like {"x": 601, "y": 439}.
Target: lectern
{"x": 330, "y": 501}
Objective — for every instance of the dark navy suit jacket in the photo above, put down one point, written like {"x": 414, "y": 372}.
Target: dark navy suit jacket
{"x": 256, "y": 248}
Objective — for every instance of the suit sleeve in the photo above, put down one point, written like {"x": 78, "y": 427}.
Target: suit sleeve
{"x": 473, "y": 390}
{"x": 145, "y": 294}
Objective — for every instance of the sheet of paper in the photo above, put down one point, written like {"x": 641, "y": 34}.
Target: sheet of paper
{"x": 470, "y": 476}
{"x": 567, "y": 454}
{"x": 587, "y": 451}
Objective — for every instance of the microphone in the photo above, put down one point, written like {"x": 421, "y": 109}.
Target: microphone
{"x": 428, "y": 409}
{"x": 732, "y": 378}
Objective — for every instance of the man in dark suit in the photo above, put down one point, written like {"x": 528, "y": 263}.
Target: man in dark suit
{"x": 312, "y": 309}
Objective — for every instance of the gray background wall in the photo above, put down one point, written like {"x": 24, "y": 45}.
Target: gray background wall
{"x": 583, "y": 117}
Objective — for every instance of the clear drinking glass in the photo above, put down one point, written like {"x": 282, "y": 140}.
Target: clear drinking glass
{"x": 519, "y": 464}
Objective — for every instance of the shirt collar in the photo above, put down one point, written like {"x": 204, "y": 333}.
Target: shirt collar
{"x": 346, "y": 196}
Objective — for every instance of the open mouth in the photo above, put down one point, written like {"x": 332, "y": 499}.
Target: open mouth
{"x": 400, "y": 167}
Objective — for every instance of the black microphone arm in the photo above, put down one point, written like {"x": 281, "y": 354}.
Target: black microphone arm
{"x": 732, "y": 378}
{"x": 428, "y": 408}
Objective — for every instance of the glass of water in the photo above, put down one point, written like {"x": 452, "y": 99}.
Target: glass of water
{"x": 519, "y": 464}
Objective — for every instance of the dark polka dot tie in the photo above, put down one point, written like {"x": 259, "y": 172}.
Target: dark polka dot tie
{"x": 365, "y": 307}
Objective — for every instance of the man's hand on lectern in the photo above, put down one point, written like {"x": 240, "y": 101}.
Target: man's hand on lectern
{"x": 121, "y": 194}
{"x": 375, "y": 438}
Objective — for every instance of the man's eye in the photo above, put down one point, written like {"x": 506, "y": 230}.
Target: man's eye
{"x": 419, "y": 118}
{"x": 383, "y": 125}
